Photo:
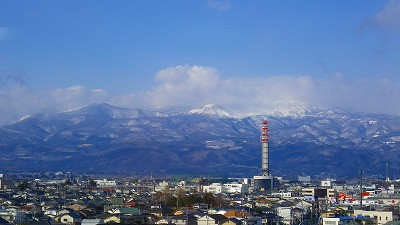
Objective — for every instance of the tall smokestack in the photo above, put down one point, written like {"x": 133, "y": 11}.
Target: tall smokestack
{"x": 264, "y": 148}
{"x": 265, "y": 181}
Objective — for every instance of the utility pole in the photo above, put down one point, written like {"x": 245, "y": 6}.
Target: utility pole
{"x": 361, "y": 189}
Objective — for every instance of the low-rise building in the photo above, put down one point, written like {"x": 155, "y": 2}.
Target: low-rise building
{"x": 282, "y": 194}
{"x": 215, "y": 188}
{"x": 318, "y": 192}
{"x": 70, "y": 218}
{"x": 381, "y": 217}
{"x": 13, "y": 215}
{"x": 212, "y": 219}
{"x": 105, "y": 183}
{"x": 285, "y": 213}
{"x": 337, "y": 220}
{"x": 232, "y": 188}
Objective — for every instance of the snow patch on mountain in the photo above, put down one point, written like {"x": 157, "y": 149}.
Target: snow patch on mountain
{"x": 289, "y": 109}
{"x": 372, "y": 122}
{"x": 220, "y": 144}
{"x": 293, "y": 109}
{"x": 211, "y": 110}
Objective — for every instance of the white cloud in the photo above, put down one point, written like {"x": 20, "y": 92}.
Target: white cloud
{"x": 75, "y": 96}
{"x": 182, "y": 83}
{"x": 192, "y": 86}
{"x": 219, "y": 5}
{"x": 388, "y": 18}
{"x": 197, "y": 85}
{"x": 18, "y": 100}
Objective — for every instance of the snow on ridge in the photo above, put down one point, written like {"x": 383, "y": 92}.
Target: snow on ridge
{"x": 277, "y": 109}
{"x": 73, "y": 109}
{"x": 212, "y": 110}
{"x": 280, "y": 109}
{"x": 290, "y": 109}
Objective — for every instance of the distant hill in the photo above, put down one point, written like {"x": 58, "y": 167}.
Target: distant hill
{"x": 207, "y": 140}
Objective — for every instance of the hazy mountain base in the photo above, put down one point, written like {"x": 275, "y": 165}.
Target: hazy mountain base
{"x": 105, "y": 139}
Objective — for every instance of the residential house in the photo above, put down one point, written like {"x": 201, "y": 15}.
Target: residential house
{"x": 45, "y": 222}
{"x": 232, "y": 221}
{"x": 50, "y": 212}
{"x": 12, "y": 215}
{"x": 76, "y": 207}
{"x": 69, "y": 218}
{"x": 183, "y": 219}
{"x": 237, "y": 214}
{"x": 109, "y": 218}
{"x": 212, "y": 219}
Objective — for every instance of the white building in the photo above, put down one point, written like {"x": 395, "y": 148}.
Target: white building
{"x": 285, "y": 213}
{"x": 326, "y": 183}
{"x": 282, "y": 194}
{"x": 105, "y": 183}
{"x": 161, "y": 186}
{"x": 215, "y": 188}
{"x": 50, "y": 212}
{"x": 232, "y": 188}
{"x": 336, "y": 221}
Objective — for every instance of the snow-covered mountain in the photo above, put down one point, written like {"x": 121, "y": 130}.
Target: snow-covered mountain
{"x": 205, "y": 140}
{"x": 211, "y": 110}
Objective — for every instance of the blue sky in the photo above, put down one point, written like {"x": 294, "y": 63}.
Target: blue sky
{"x": 119, "y": 47}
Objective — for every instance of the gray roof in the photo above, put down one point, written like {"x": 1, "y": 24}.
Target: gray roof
{"x": 92, "y": 221}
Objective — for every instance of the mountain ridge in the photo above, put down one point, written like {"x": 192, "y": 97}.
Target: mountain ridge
{"x": 142, "y": 140}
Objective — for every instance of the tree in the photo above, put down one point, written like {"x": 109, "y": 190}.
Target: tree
{"x": 208, "y": 198}
{"x": 91, "y": 184}
{"x": 171, "y": 201}
{"x": 258, "y": 210}
{"x": 68, "y": 182}
{"x": 23, "y": 185}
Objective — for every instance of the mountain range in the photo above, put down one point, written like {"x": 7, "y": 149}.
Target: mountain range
{"x": 101, "y": 138}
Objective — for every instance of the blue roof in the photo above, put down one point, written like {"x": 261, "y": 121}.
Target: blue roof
{"x": 346, "y": 218}
{"x": 271, "y": 216}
